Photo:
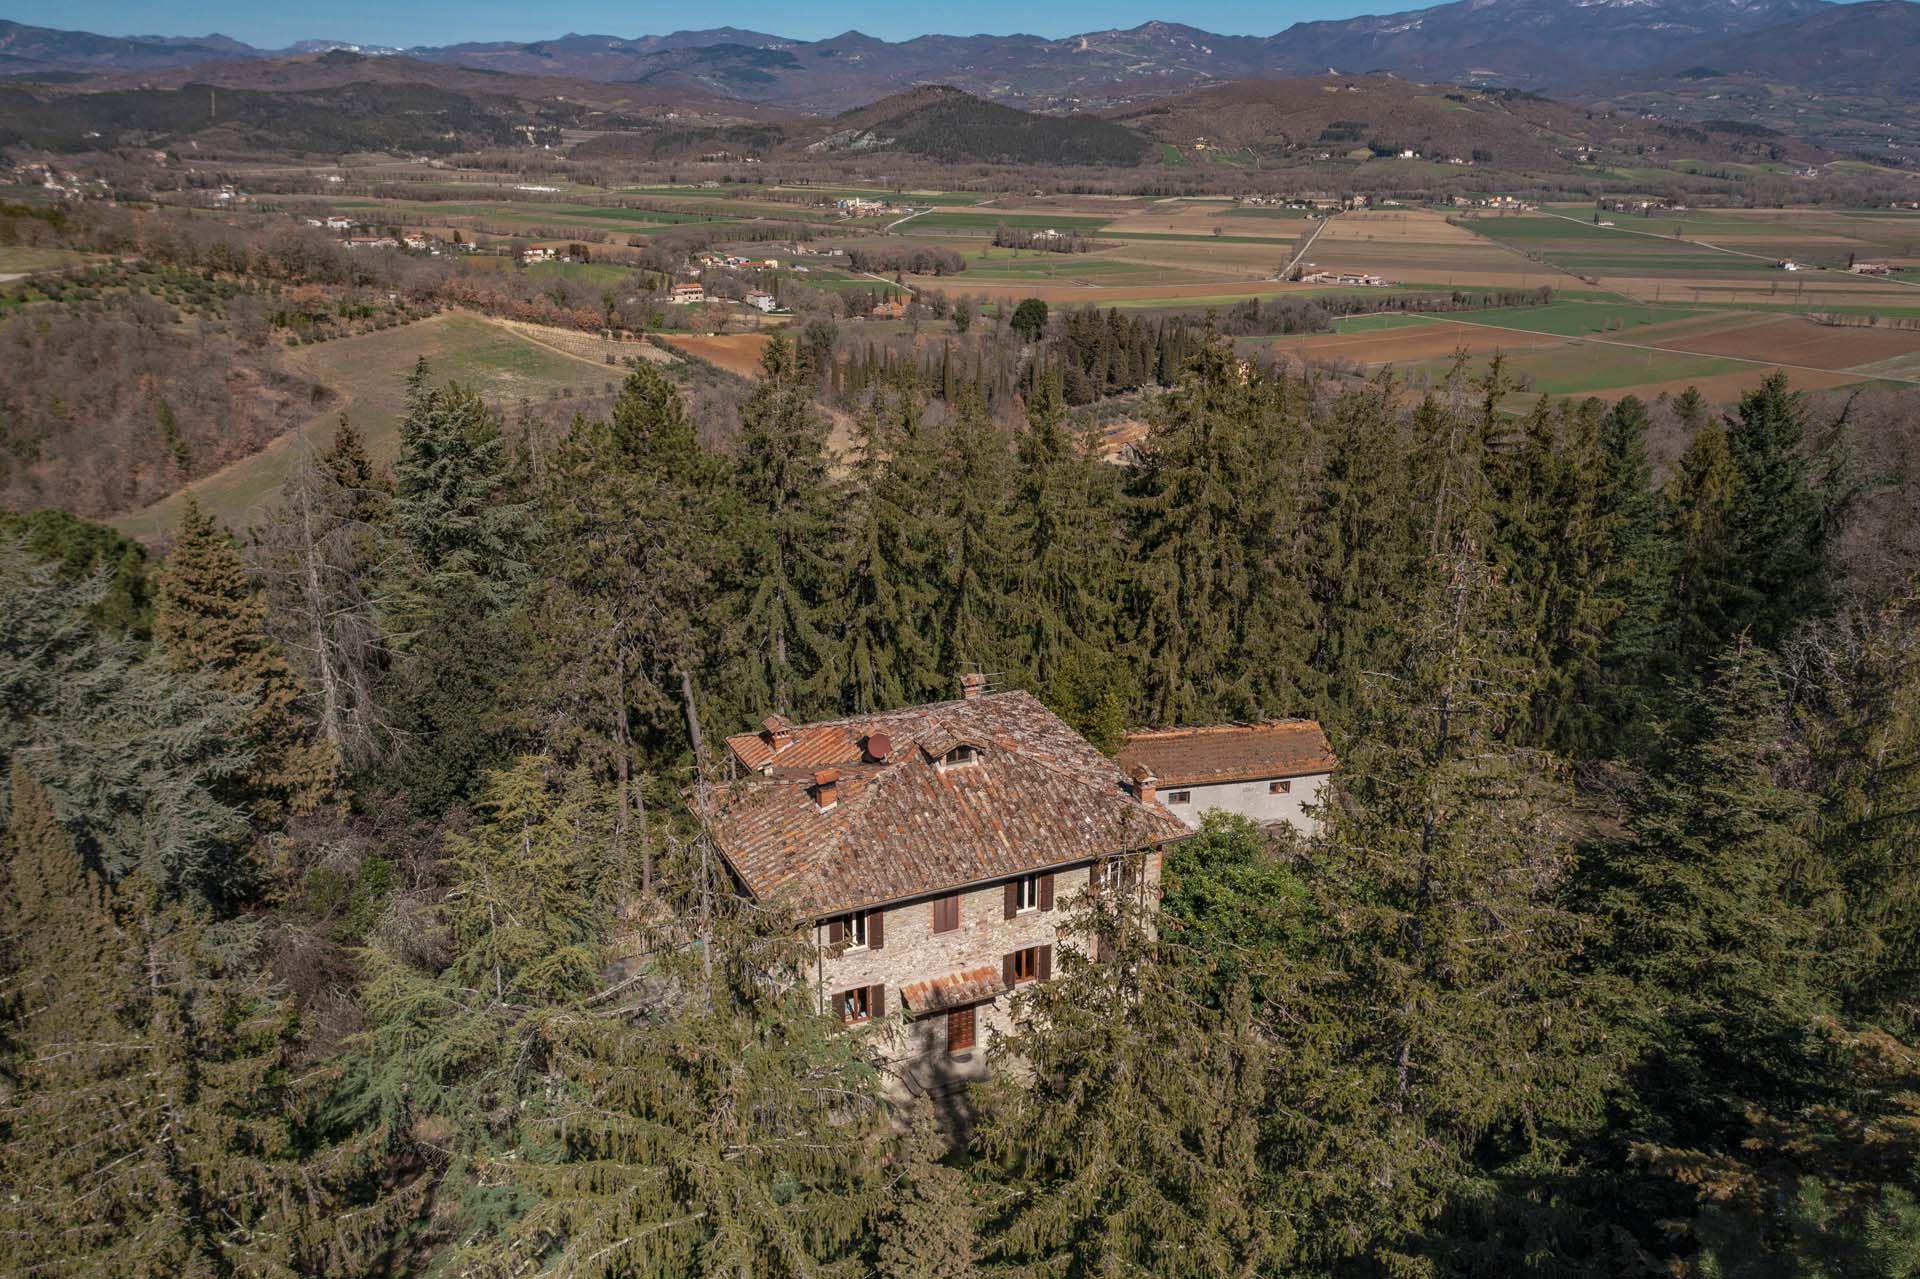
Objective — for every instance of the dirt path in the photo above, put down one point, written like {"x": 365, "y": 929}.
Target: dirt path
{"x": 531, "y": 333}
{"x": 1301, "y": 252}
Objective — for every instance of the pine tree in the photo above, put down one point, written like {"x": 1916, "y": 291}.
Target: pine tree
{"x": 885, "y": 591}
{"x": 209, "y": 617}
{"x": 738, "y": 1133}
{"x": 1131, "y": 1142}
{"x": 931, "y": 1226}
{"x": 1220, "y": 603}
{"x": 136, "y": 755}
{"x": 152, "y": 1127}
{"x": 787, "y": 494}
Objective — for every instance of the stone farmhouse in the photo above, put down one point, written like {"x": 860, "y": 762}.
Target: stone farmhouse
{"x": 933, "y": 852}
{"x": 1267, "y": 772}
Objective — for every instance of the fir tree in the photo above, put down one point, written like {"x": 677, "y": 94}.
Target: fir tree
{"x": 1618, "y": 695}
{"x": 886, "y": 589}
{"x": 1220, "y": 571}
{"x": 739, "y": 1134}
{"x": 1131, "y": 1141}
{"x": 209, "y": 617}
{"x": 973, "y": 568}
{"x": 931, "y": 1227}
{"x": 456, "y": 596}
{"x": 787, "y": 495}
{"x": 1440, "y": 875}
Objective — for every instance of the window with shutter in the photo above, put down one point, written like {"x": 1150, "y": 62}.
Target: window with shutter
{"x": 877, "y": 1000}
{"x": 876, "y": 929}
{"x": 856, "y": 1005}
{"x": 1013, "y": 899}
{"x": 1046, "y": 964}
{"x": 1024, "y": 965}
{"x": 946, "y": 913}
{"x": 836, "y": 932}
{"x": 1046, "y": 892}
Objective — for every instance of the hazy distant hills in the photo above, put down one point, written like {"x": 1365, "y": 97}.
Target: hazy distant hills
{"x": 1551, "y": 45}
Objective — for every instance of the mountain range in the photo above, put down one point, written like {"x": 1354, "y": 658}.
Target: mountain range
{"x": 1562, "y": 46}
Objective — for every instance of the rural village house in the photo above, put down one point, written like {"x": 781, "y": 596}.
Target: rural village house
{"x": 1268, "y": 772}
{"x": 934, "y": 850}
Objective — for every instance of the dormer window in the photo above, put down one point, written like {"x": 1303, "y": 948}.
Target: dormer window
{"x": 961, "y": 754}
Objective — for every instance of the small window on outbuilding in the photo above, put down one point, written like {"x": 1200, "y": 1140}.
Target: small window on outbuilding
{"x": 1280, "y": 787}
{"x": 1179, "y": 797}
{"x": 959, "y": 755}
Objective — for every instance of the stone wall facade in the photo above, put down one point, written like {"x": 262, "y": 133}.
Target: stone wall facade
{"x": 911, "y": 951}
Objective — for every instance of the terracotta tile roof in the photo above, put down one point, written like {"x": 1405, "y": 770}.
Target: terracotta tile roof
{"x": 1230, "y": 752}
{"x": 1038, "y": 795}
{"x": 955, "y": 990}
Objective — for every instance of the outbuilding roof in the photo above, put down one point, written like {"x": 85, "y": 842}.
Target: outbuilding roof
{"x": 1229, "y": 752}
{"x": 846, "y": 814}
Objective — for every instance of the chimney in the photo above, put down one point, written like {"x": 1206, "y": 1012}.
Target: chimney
{"x": 972, "y": 685}
{"x": 1144, "y": 783}
{"x": 826, "y": 788}
{"x": 779, "y": 730}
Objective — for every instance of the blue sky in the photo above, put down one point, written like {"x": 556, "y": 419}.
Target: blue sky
{"x": 272, "y": 24}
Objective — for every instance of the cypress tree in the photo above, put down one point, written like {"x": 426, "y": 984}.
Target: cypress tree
{"x": 208, "y": 616}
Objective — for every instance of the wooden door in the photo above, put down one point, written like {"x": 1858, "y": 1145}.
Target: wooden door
{"x": 959, "y": 1030}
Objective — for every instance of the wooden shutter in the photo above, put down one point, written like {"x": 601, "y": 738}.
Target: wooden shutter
{"x": 1013, "y": 898}
{"x": 1006, "y": 968}
{"x": 1046, "y": 892}
{"x": 877, "y": 1000}
{"x": 876, "y": 929}
{"x": 836, "y": 932}
{"x": 960, "y": 1030}
{"x": 946, "y": 914}
{"x": 1045, "y": 971}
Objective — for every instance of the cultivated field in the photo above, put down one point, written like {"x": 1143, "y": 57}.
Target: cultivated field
{"x": 500, "y": 361}
{"x": 1417, "y": 246}
{"x": 1581, "y": 348}
{"x": 735, "y": 352}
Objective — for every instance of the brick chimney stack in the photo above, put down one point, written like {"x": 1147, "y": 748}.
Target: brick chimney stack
{"x": 779, "y": 730}
{"x": 1144, "y": 783}
{"x": 972, "y": 685}
{"x": 826, "y": 788}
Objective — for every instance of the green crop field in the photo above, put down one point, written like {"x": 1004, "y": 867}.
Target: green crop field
{"x": 1377, "y": 323}
{"x": 1203, "y": 239}
{"x": 1293, "y": 215}
{"x": 371, "y": 371}
{"x": 1575, "y": 319}
{"x": 987, "y": 220}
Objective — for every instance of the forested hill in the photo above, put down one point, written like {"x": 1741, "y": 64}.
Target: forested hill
{"x": 944, "y": 124}
{"x": 356, "y": 910}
